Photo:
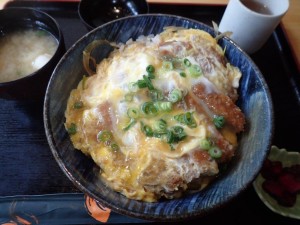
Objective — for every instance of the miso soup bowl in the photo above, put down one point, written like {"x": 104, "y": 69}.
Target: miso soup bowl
{"x": 32, "y": 86}
{"x": 254, "y": 143}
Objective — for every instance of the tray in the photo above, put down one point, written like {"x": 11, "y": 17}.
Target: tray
{"x": 33, "y": 187}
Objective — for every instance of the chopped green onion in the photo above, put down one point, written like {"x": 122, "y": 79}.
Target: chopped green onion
{"x": 158, "y": 135}
{"x": 215, "y": 152}
{"x": 219, "y": 121}
{"x": 133, "y": 87}
{"x": 175, "y": 134}
{"x": 182, "y": 74}
{"x": 177, "y": 129}
{"x": 84, "y": 78}
{"x": 131, "y": 124}
{"x": 78, "y": 105}
{"x": 150, "y": 69}
{"x": 187, "y": 62}
{"x": 72, "y": 129}
{"x": 205, "y": 144}
{"x": 148, "y": 82}
{"x": 189, "y": 119}
{"x": 181, "y": 136}
{"x": 167, "y": 65}
{"x": 151, "y": 75}
{"x": 186, "y": 119}
{"x": 194, "y": 71}
{"x": 114, "y": 146}
{"x": 104, "y": 135}
{"x": 160, "y": 126}
{"x": 179, "y": 132}
{"x": 128, "y": 97}
{"x": 133, "y": 113}
{"x": 170, "y": 137}
{"x": 141, "y": 84}
{"x": 175, "y": 95}
{"x": 156, "y": 95}
{"x": 163, "y": 106}
{"x": 147, "y": 130}
{"x": 149, "y": 109}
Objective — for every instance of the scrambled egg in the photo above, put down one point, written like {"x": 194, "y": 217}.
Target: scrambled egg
{"x": 159, "y": 114}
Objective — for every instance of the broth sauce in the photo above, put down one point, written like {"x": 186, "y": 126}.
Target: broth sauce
{"x": 257, "y": 7}
{"x": 23, "y": 52}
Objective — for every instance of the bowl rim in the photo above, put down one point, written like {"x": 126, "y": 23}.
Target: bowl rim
{"x": 60, "y": 41}
{"x": 142, "y": 215}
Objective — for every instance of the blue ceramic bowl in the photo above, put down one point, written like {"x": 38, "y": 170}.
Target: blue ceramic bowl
{"x": 254, "y": 100}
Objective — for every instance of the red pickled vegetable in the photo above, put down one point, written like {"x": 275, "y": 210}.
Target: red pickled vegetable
{"x": 273, "y": 188}
{"x": 289, "y": 182}
{"x": 271, "y": 169}
{"x": 282, "y": 183}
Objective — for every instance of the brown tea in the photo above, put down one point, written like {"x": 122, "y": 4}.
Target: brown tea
{"x": 257, "y": 7}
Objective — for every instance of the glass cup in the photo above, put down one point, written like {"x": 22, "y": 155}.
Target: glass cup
{"x": 252, "y": 21}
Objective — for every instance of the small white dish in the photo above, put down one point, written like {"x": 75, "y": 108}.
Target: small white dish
{"x": 288, "y": 159}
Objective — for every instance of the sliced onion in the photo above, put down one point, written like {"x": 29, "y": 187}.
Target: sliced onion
{"x": 87, "y": 58}
{"x": 218, "y": 34}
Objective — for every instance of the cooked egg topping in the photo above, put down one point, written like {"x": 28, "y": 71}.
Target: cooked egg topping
{"x": 158, "y": 116}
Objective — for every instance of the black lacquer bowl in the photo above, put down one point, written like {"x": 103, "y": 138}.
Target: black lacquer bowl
{"x": 254, "y": 100}
{"x": 94, "y": 13}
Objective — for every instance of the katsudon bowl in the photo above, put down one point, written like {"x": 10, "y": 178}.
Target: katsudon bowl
{"x": 254, "y": 143}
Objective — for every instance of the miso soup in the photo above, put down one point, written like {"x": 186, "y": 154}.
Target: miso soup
{"x": 24, "y": 52}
